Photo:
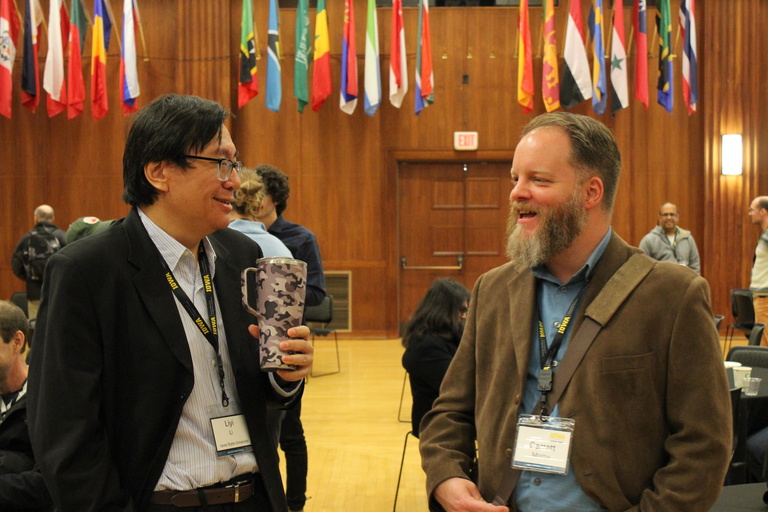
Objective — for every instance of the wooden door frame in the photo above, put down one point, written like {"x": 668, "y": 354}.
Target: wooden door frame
{"x": 393, "y": 159}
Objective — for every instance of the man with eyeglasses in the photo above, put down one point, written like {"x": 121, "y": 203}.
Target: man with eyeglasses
{"x": 145, "y": 392}
{"x": 669, "y": 242}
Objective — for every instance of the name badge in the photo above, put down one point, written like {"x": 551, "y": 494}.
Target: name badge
{"x": 543, "y": 444}
{"x": 231, "y": 435}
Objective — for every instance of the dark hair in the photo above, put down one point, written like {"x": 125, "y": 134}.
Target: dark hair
{"x": 164, "y": 131}
{"x": 438, "y": 312}
{"x": 593, "y": 148}
{"x": 276, "y": 183}
{"x": 12, "y": 319}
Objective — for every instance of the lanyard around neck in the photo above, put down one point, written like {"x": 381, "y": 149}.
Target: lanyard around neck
{"x": 547, "y": 354}
{"x": 211, "y": 333}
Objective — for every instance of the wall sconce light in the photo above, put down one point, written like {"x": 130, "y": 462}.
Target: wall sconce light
{"x": 731, "y": 156}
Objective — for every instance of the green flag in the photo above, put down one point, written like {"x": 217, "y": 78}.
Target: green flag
{"x": 303, "y": 48}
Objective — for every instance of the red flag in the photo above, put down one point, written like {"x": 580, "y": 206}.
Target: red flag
{"x": 102, "y": 28}
{"x": 75, "y": 82}
{"x": 524, "y": 59}
{"x": 550, "y": 81}
{"x": 321, "y": 71}
{"x": 641, "y": 54}
{"x": 9, "y": 28}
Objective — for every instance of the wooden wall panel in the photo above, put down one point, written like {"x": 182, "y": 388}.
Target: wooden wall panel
{"x": 343, "y": 169}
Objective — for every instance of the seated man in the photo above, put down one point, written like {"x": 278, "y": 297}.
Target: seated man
{"x": 21, "y": 484}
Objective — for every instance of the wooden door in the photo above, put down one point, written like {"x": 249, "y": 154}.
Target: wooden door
{"x": 452, "y": 219}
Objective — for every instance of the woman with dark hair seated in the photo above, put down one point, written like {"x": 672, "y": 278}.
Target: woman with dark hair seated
{"x": 431, "y": 340}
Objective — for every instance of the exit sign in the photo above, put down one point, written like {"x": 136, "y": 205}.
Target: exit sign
{"x": 465, "y": 141}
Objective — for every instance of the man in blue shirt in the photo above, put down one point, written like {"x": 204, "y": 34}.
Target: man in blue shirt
{"x": 610, "y": 357}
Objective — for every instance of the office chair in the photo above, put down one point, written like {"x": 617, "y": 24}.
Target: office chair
{"x": 323, "y": 314}
{"x": 402, "y": 462}
{"x": 744, "y": 314}
{"x": 400, "y": 408}
{"x": 20, "y": 299}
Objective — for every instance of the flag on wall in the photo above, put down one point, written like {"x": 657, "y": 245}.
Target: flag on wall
{"x": 524, "y": 59}
{"x": 30, "y": 76}
{"x": 53, "y": 75}
{"x": 321, "y": 70}
{"x": 599, "y": 89}
{"x": 690, "y": 75}
{"x": 425, "y": 77}
{"x": 75, "y": 83}
{"x": 620, "y": 96}
{"x": 247, "y": 81}
{"x": 641, "y": 55}
{"x": 576, "y": 85}
{"x": 550, "y": 75}
{"x": 398, "y": 67}
{"x": 102, "y": 28}
{"x": 301, "y": 62}
{"x": 129, "y": 75}
{"x": 372, "y": 80}
{"x": 664, "y": 85}
{"x": 274, "y": 82}
{"x": 348, "y": 89}
{"x": 9, "y": 35}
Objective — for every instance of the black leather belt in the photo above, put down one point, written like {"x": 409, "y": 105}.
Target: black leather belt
{"x": 233, "y": 493}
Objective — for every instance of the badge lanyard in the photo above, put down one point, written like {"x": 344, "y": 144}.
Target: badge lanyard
{"x": 547, "y": 355}
{"x": 212, "y": 333}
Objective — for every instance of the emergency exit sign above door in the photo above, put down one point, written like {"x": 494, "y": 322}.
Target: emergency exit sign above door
{"x": 465, "y": 141}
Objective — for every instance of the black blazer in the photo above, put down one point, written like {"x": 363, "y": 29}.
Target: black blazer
{"x": 111, "y": 369}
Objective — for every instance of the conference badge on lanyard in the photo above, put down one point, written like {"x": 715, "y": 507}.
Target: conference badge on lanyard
{"x": 543, "y": 444}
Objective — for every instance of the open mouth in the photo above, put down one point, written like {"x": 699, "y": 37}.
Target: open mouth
{"x": 228, "y": 203}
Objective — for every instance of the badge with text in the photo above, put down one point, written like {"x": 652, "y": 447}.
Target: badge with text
{"x": 231, "y": 435}
{"x": 543, "y": 444}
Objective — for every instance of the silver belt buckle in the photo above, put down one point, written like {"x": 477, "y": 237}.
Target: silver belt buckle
{"x": 236, "y": 486}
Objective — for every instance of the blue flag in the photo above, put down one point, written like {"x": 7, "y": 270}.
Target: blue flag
{"x": 599, "y": 88}
{"x": 274, "y": 88}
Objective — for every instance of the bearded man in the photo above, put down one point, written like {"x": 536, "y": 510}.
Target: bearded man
{"x": 588, "y": 374}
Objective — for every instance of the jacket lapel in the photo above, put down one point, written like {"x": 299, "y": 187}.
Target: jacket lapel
{"x": 521, "y": 288}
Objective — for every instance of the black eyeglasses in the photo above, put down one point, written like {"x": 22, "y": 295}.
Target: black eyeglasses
{"x": 225, "y": 168}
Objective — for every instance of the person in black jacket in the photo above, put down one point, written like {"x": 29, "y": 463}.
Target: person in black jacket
{"x": 21, "y": 484}
{"x": 431, "y": 340}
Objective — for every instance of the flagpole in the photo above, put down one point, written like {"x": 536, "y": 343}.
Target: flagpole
{"x": 542, "y": 35}
{"x": 255, "y": 36}
{"x": 141, "y": 30}
{"x": 631, "y": 34}
{"x": 677, "y": 40}
{"x": 114, "y": 25}
{"x": 85, "y": 12}
{"x": 613, "y": 15}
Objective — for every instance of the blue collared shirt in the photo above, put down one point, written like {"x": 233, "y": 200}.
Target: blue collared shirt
{"x": 544, "y": 491}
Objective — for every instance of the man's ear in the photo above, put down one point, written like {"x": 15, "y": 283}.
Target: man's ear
{"x": 157, "y": 175}
{"x": 594, "y": 191}
{"x": 18, "y": 339}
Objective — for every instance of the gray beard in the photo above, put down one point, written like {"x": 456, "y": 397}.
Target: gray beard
{"x": 560, "y": 226}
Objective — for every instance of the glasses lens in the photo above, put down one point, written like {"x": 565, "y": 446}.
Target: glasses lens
{"x": 225, "y": 169}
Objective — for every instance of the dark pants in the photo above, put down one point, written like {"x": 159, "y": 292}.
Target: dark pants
{"x": 286, "y": 427}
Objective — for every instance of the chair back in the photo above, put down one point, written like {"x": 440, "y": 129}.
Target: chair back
{"x": 749, "y": 355}
{"x": 20, "y": 300}
{"x": 322, "y": 313}
{"x": 756, "y": 335}
{"x": 743, "y": 308}
{"x": 718, "y": 321}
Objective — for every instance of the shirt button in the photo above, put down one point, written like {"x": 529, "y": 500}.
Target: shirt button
{"x": 556, "y": 324}
{"x": 537, "y": 481}
{"x": 563, "y": 289}
{"x": 213, "y": 362}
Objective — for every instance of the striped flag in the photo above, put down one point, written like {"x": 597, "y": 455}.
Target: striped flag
{"x": 690, "y": 75}
{"x": 247, "y": 81}
{"x": 372, "y": 80}
{"x": 576, "y": 85}
{"x": 348, "y": 89}
{"x": 301, "y": 62}
{"x": 321, "y": 70}
{"x": 53, "y": 75}
{"x": 102, "y": 28}
{"x": 524, "y": 59}
{"x": 129, "y": 75}
{"x": 641, "y": 57}
{"x": 30, "y": 76}
{"x": 425, "y": 77}
{"x": 620, "y": 96}
{"x": 398, "y": 68}
{"x": 9, "y": 35}
{"x": 664, "y": 85}
{"x": 599, "y": 89}
{"x": 75, "y": 83}
{"x": 550, "y": 76}
{"x": 274, "y": 82}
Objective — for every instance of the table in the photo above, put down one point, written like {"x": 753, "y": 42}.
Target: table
{"x": 736, "y": 498}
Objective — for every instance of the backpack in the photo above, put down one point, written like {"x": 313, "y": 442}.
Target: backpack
{"x": 40, "y": 246}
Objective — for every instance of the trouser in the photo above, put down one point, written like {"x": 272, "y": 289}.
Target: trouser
{"x": 761, "y": 315}
{"x": 286, "y": 429}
